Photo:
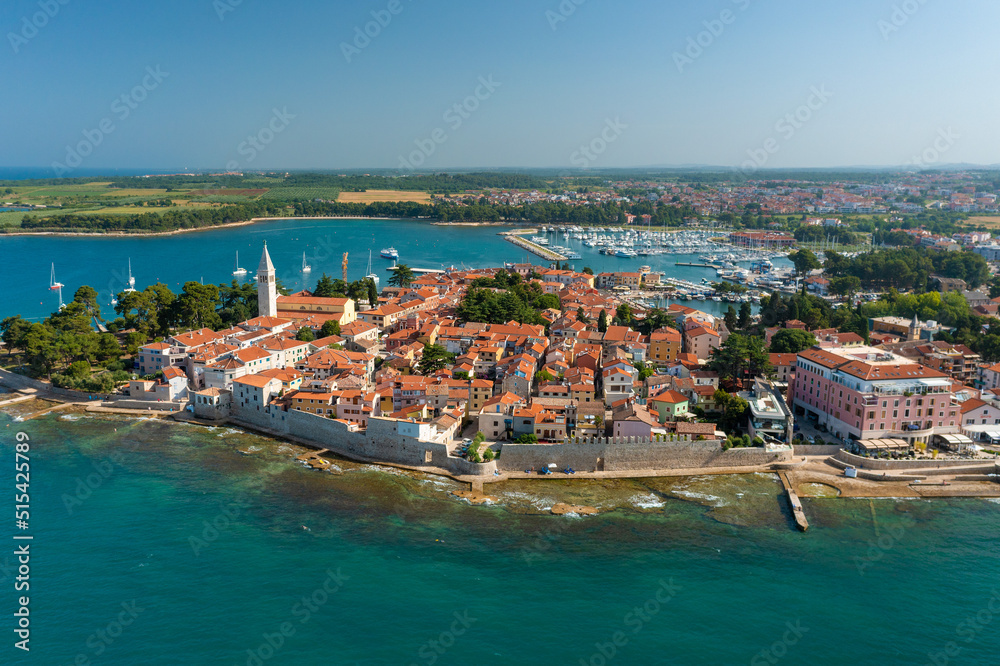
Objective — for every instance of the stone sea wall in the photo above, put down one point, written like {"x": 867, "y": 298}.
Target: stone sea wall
{"x": 623, "y": 454}
{"x": 383, "y": 442}
{"x": 925, "y": 463}
{"x": 380, "y": 443}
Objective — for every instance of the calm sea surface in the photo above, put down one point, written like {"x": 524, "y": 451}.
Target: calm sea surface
{"x": 102, "y": 262}
{"x": 214, "y": 552}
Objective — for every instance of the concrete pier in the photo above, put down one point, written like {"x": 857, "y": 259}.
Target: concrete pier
{"x": 793, "y": 500}
{"x": 534, "y": 248}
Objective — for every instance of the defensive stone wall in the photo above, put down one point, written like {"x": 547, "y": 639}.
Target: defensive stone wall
{"x": 380, "y": 442}
{"x": 623, "y": 454}
{"x": 816, "y": 449}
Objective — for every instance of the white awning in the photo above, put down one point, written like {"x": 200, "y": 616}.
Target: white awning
{"x": 957, "y": 440}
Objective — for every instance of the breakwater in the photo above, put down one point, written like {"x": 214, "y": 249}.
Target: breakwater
{"x": 517, "y": 239}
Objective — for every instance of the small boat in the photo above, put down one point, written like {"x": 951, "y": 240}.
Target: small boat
{"x": 305, "y": 267}
{"x": 389, "y": 253}
{"x": 53, "y": 285}
{"x": 131, "y": 280}
{"x": 371, "y": 275}
{"x": 239, "y": 271}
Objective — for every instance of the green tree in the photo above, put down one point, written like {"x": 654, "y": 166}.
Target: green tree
{"x": 87, "y": 296}
{"x": 847, "y": 285}
{"x": 40, "y": 349}
{"x": 543, "y": 376}
{"x": 805, "y": 261}
{"x": 325, "y": 287}
{"x": 733, "y": 409}
{"x": 623, "y": 315}
{"x": 12, "y": 332}
{"x": 745, "y": 317}
{"x": 330, "y": 327}
{"x": 402, "y": 276}
{"x": 527, "y": 438}
{"x": 108, "y": 348}
{"x": 791, "y": 341}
{"x": 372, "y": 292}
{"x": 196, "y": 307}
{"x": 305, "y": 334}
{"x": 602, "y": 322}
{"x": 730, "y": 318}
{"x": 435, "y": 358}
{"x": 741, "y": 357}
{"x": 581, "y": 315}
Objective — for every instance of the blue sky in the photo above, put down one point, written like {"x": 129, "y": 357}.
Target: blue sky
{"x": 894, "y": 77}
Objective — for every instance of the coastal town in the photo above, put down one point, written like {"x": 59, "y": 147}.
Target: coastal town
{"x": 529, "y": 371}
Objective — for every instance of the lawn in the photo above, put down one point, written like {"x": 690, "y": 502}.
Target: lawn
{"x": 372, "y": 196}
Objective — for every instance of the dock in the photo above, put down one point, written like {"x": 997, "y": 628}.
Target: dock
{"x": 796, "y": 504}
{"x": 534, "y": 248}
{"x": 422, "y": 271}
{"x": 683, "y": 263}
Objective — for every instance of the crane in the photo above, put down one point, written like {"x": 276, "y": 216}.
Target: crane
{"x": 343, "y": 267}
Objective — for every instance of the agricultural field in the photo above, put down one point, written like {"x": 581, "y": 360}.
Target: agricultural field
{"x": 133, "y": 210}
{"x": 13, "y": 218}
{"x": 226, "y": 193}
{"x": 302, "y": 193}
{"x": 372, "y": 196}
{"x": 988, "y": 221}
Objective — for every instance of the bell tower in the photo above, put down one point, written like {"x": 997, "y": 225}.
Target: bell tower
{"x": 267, "y": 290}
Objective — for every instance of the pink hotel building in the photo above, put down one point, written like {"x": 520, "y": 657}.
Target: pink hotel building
{"x": 868, "y": 393}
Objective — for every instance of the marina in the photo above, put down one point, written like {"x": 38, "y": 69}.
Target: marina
{"x": 103, "y": 261}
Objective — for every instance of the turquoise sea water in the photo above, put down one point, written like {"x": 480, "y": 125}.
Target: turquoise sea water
{"x": 679, "y": 571}
{"x": 102, "y": 262}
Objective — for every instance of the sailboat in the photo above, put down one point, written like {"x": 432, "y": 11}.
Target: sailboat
{"x": 239, "y": 271}
{"x": 53, "y": 285}
{"x": 131, "y": 278}
{"x": 56, "y": 286}
{"x": 371, "y": 276}
{"x": 305, "y": 267}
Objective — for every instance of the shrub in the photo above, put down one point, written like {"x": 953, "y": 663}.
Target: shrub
{"x": 63, "y": 381}
{"x": 120, "y": 376}
{"x": 102, "y": 383}
{"x": 79, "y": 369}
{"x": 489, "y": 455}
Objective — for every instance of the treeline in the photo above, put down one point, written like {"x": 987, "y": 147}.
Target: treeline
{"x": 818, "y": 234}
{"x": 165, "y": 221}
{"x": 907, "y": 268}
{"x": 538, "y": 213}
{"x": 438, "y": 183}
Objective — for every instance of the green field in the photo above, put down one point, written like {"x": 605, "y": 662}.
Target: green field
{"x": 302, "y": 193}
